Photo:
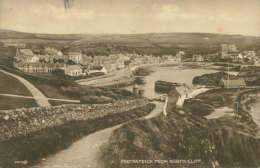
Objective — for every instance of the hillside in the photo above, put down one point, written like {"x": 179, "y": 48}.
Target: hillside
{"x": 153, "y": 43}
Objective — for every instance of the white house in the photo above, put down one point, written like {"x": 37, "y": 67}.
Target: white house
{"x": 73, "y": 70}
{"x": 98, "y": 69}
{"x": 34, "y": 59}
{"x": 75, "y": 56}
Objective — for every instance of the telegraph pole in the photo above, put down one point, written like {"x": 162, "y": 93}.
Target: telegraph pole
{"x": 228, "y": 73}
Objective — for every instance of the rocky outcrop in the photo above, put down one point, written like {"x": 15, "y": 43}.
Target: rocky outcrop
{"x": 213, "y": 79}
{"x": 22, "y": 121}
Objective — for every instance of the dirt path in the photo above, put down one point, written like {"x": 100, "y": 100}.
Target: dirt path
{"x": 28, "y": 97}
{"x": 40, "y": 99}
{"x": 84, "y": 153}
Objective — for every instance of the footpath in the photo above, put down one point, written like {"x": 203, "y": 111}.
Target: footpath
{"x": 85, "y": 152}
{"x": 39, "y": 97}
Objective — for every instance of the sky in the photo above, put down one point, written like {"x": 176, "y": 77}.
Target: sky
{"x": 131, "y": 16}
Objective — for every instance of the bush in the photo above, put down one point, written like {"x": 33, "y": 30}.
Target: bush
{"x": 58, "y": 71}
{"x": 126, "y": 93}
{"x": 96, "y": 100}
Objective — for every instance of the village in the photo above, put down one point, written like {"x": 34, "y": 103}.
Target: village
{"x": 75, "y": 64}
{"x": 129, "y": 84}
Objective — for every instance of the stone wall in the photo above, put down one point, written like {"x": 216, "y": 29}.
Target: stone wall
{"x": 116, "y": 83}
{"x": 22, "y": 121}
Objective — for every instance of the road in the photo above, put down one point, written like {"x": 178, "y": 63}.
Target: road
{"x": 40, "y": 99}
{"x": 126, "y": 72}
{"x": 84, "y": 153}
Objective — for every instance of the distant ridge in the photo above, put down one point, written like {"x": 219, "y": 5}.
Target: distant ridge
{"x": 155, "y": 43}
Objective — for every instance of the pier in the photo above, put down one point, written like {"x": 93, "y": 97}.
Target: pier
{"x": 166, "y": 86}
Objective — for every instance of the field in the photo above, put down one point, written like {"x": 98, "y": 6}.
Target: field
{"x": 151, "y": 43}
{"x": 10, "y": 85}
{"x": 15, "y": 102}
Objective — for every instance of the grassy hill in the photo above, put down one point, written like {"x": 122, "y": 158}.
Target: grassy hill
{"x": 154, "y": 43}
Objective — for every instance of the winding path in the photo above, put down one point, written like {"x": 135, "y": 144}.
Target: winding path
{"x": 28, "y": 97}
{"x": 84, "y": 153}
{"x": 40, "y": 99}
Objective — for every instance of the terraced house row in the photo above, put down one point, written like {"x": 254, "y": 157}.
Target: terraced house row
{"x": 39, "y": 67}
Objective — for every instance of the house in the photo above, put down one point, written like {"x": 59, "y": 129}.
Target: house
{"x": 99, "y": 60}
{"x": 184, "y": 92}
{"x": 249, "y": 53}
{"x": 52, "y": 51}
{"x": 26, "y": 55}
{"x": 73, "y": 70}
{"x": 211, "y": 57}
{"x": 14, "y": 44}
{"x": 39, "y": 67}
{"x": 110, "y": 66}
{"x": 124, "y": 57}
{"x": 95, "y": 69}
{"x": 86, "y": 60}
{"x": 156, "y": 60}
{"x": 181, "y": 55}
{"x": 232, "y": 48}
{"x": 65, "y": 58}
{"x": 137, "y": 60}
{"x": 167, "y": 58}
{"x": 119, "y": 63}
{"x": 224, "y": 55}
{"x": 75, "y": 56}
{"x": 232, "y": 83}
{"x": 197, "y": 58}
{"x": 225, "y": 47}
{"x": 147, "y": 60}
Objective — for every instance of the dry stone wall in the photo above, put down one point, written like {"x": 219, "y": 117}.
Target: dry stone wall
{"x": 116, "y": 83}
{"x": 22, "y": 121}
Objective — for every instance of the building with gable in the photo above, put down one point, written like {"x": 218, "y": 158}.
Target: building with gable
{"x": 75, "y": 56}
{"x": 52, "y": 51}
{"x": 232, "y": 83}
{"x": 73, "y": 70}
{"x": 197, "y": 58}
{"x": 37, "y": 67}
{"x": 181, "y": 55}
{"x": 26, "y": 55}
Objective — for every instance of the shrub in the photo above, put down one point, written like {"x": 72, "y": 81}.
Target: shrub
{"x": 58, "y": 71}
{"x": 126, "y": 93}
{"x": 96, "y": 100}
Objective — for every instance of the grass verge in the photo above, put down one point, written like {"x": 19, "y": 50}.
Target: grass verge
{"x": 37, "y": 145}
{"x": 15, "y": 102}
{"x": 11, "y": 85}
{"x": 49, "y": 91}
{"x": 57, "y": 103}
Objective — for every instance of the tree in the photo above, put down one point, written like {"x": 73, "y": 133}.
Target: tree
{"x": 42, "y": 60}
{"x": 58, "y": 60}
{"x": 58, "y": 71}
{"x": 70, "y": 62}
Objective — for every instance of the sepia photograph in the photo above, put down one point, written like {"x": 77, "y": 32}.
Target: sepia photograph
{"x": 129, "y": 83}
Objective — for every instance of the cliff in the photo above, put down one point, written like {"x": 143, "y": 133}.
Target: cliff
{"x": 182, "y": 136}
